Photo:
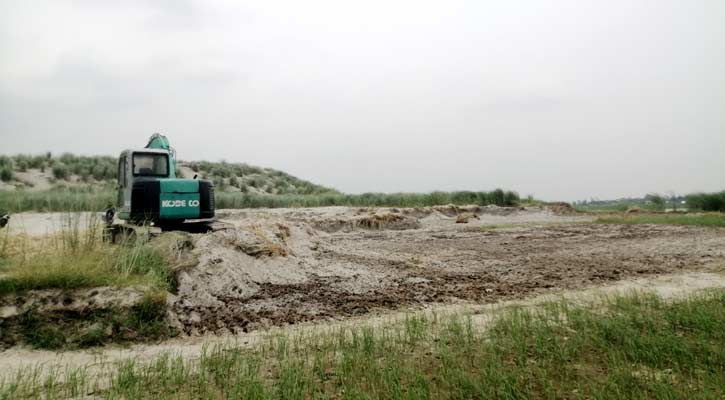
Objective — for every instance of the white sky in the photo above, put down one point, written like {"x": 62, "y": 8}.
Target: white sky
{"x": 561, "y": 99}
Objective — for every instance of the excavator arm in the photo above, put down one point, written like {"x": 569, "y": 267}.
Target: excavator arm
{"x": 160, "y": 142}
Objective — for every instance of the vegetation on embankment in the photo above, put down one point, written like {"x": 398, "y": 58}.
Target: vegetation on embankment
{"x": 76, "y": 257}
{"x": 497, "y": 197}
{"x": 245, "y": 178}
{"x": 82, "y": 183}
{"x": 698, "y": 219}
{"x": 66, "y": 167}
{"x": 143, "y": 321}
{"x": 96, "y": 200}
{"x": 25, "y": 171}
{"x": 58, "y": 199}
{"x": 634, "y": 346}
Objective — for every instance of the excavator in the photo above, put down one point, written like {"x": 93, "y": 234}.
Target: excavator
{"x": 153, "y": 198}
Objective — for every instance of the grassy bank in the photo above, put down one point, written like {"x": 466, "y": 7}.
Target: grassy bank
{"x": 98, "y": 199}
{"x": 705, "y": 219}
{"x": 636, "y": 346}
{"x": 76, "y": 257}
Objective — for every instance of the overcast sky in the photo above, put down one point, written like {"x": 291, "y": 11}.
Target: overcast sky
{"x": 559, "y": 99}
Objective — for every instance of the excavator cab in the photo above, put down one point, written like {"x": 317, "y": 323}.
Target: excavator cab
{"x": 150, "y": 192}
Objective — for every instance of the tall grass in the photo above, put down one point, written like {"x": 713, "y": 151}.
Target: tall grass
{"x": 97, "y": 200}
{"x": 60, "y": 199}
{"x": 635, "y": 346}
{"x": 76, "y": 257}
{"x": 237, "y": 200}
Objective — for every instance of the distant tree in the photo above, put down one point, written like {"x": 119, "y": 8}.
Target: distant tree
{"x": 658, "y": 202}
{"x": 673, "y": 199}
{"x": 22, "y": 165}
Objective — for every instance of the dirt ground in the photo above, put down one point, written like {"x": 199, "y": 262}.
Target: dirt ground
{"x": 279, "y": 267}
{"x": 286, "y": 266}
{"x": 295, "y": 269}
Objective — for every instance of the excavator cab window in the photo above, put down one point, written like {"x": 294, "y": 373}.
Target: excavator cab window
{"x": 150, "y": 164}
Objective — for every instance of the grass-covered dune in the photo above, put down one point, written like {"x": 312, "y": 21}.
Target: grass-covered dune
{"x": 32, "y": 171}
{"x": 87, "y": 183}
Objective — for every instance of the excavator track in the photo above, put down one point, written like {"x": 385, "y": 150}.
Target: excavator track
{"x": 124, "y": 232}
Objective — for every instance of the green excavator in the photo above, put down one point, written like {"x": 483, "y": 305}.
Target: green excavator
{"x": 150, "y": 195}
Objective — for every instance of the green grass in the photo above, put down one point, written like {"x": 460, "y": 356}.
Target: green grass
{"x": 497, "y": 197}
{"x": 59, "y": 199}
{"x": 68, "y": 330}
{"x": 636, "y": 346}
{"x": 98, "y": 199}
{"x": 706, "y": 219}
{"x": 251, "y": 179}
{"x": 77, "y": 258}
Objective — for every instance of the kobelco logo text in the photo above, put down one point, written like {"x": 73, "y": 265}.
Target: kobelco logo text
{"x": 179, "y": 203}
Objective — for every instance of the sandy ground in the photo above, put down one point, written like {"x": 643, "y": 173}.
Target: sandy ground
{"x": 279, "y": 267}
{"x": 287, "y": 266}
{"x": 319, "y": 268}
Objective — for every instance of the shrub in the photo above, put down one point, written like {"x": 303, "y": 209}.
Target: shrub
{"x": 60, "y": 171}
{"x": 6, "y": 174}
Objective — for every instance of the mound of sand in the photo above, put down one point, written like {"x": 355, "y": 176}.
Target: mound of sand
{"x": 561, "y": 208}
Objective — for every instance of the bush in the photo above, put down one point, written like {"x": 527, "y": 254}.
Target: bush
{"x": 6, "y": 174}
{"x": 6, "y": 162}
{"x": 60, "y": 171}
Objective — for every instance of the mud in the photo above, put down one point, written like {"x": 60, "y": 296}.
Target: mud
{"x": 280, "y": 267}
